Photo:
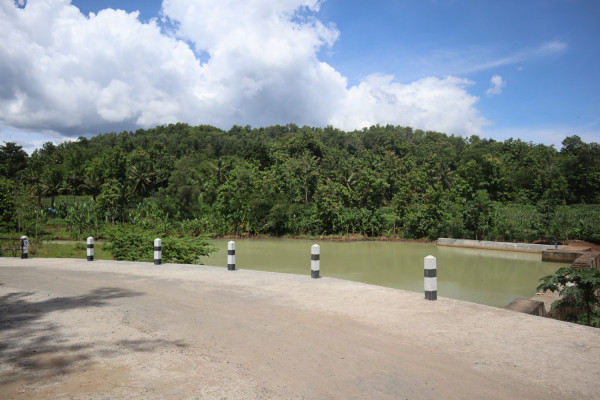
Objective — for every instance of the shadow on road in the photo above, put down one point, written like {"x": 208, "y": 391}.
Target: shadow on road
{"x": 33, "y": 346}
{"x": 15, "y": 309}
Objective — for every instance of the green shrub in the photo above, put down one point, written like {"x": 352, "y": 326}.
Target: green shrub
{"x": 130, "y": 243}
{"x": 185, "y": 250}
{"x": 135, "y": 243}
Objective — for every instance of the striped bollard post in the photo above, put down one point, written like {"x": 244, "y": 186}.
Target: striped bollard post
{"x": 157, "y": 252}
{"x": 231, "y": 255}
{"x": 24, "y": 247}
{"x": 430, "y": 278}
{"x": 315, "y": 257}
{"x": 90, "y": 249}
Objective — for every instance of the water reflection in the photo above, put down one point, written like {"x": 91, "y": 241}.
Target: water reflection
{"x": 489, "y": 277}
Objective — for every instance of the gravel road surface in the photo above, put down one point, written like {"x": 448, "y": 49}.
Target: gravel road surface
{"x": 72, "y": 329}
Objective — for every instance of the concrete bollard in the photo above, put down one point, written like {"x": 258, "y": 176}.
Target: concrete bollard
{"x": 24, "y": 247}
{"x": 157, "y": 252}
{"x": 430, "y": 278}
{"x": 315, "y": 258}
{"x": 90, "y": 249}
{"x": 231, "y": 255}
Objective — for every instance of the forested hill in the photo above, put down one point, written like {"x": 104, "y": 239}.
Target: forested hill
{"x": 384, "y": 180}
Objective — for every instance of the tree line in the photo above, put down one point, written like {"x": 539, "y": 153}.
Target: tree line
{"x": 303, "y": 181}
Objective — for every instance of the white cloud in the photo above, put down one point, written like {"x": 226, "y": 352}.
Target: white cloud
{"x": 550, "y": 48}
{"x": 478, "y": 58}
{"x": 428, "y": 103}
{"x": 497, "y": 84}
{"x": 544, "y": 50}
{"x": 74, "y": 74}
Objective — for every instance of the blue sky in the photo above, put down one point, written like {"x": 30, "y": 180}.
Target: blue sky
{"x": 521, "y": 69}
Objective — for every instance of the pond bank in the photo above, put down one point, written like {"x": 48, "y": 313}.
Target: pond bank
{"x": 491, "y": 245}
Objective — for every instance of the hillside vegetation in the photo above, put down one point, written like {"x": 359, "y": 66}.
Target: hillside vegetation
{"x": 301, "y": 181}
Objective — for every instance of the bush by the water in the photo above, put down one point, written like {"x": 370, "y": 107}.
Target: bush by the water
{"x": 579, "y": 291}
{"x": 136, "y": 243}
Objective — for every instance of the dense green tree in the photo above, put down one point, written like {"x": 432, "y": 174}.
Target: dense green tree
{"x": 581, "y": 167}
{"x": 235, "y": 195}
{"x": 185, "y": 188}
{"x": 7, "y": 204}
{"x": 12, "y": 159}
{"x": 112, "y": 200}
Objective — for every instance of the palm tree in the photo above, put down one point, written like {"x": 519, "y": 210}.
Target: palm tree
{"x": 92, "y": 184}
{"x": 141, "y": 181}
{"x": 52, "y": 183}
{"x": 31, "y": 177}
{"x": 444, "y": 175}
{"x": 220, "y": 169}
{"x": 349, "y": 180}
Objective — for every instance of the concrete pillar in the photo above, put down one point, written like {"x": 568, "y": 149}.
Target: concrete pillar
{"x": 24, "y": 246}
{"x": 315, "y": 257}
{"x": 231, "y": 255}
{"x": 430, "y": 278}
{"x": 157, "y": 251}
{"x": 90, "y": 249}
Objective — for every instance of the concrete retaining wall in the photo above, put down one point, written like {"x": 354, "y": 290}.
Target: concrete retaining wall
{"x": 527, "y": 306}
{"x": 485, "y": 244}
{"x": 580, "y": 257}
{"x": 587, "y": 260}
{"x": 564, "y": 255}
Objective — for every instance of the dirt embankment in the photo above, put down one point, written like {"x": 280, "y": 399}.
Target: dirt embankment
{"x": 103, "y": 329}
{"x": 580, "y": 243}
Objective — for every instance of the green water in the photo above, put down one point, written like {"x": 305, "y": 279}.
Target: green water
{"x": 487, "y": 277}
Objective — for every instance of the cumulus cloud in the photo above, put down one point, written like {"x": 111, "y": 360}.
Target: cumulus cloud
{"x": 497, "y": 84}
{"x": 67, "y": 72}
{"x": 429, "y": 103}
{"x": 63, "y": 71}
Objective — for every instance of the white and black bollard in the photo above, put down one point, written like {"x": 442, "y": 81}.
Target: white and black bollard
{"x": 231, "y": 255}
{"x": 90, "y": 249}
{"x": 157, "y": 252}
{"x": 24, "y": 247}
{"x": 430, "y": 278}
{"x": 315, "y": 258}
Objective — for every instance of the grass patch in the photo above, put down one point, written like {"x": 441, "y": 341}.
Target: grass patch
{"x": 68, "y": 250}
{"x": 57, "y": 232}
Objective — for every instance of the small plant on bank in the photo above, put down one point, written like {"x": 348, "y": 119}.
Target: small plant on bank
{"x": 578, "y": 289}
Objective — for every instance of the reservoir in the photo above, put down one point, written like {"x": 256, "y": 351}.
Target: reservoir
{"x": 488, "y": 277}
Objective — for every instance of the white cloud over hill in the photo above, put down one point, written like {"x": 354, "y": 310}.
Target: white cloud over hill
{"x": 225, "y": 62}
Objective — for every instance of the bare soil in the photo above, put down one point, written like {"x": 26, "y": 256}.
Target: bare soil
{"x": 581, "y": 243}
{"x": 71, "y": 329}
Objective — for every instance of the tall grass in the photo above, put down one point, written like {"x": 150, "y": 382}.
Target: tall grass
{"x": 68, "y": 250}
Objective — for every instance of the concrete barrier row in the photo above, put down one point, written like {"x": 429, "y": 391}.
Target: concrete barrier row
{"x": 430, "y": 266}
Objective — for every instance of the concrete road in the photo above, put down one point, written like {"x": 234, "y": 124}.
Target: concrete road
{"x": 72, "y": 329}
